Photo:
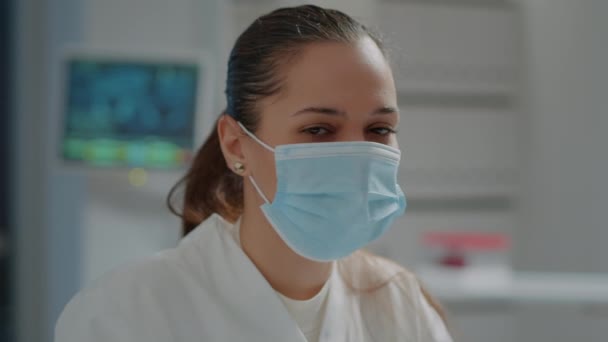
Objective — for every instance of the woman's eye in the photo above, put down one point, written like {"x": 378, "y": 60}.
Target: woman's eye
{"x": 383, "y": 130}
{"x": 316, "y": 130}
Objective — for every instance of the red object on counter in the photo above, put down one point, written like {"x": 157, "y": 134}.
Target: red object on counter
{"x": 455, "y": 246}
{"x": 468, "y": 240}
{"x": 453, "y": 259}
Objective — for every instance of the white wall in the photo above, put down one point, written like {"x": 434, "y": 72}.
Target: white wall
{"x": 47, "y": 203}
{"x": 74, "y": 225}
{"x": 122, "y": 222}
{"x": 565, "y": 226}
{"x": 30, "y": 308}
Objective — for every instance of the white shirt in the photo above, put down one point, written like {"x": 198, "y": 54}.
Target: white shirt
{"x": 207, "y": 289}
{"x": 308, "y": 314}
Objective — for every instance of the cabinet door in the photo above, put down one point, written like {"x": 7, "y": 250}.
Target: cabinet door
{"x": 482, "y": 323}
{"x": 562, "y": 323}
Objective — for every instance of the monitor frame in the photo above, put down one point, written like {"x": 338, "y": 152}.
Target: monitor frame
{"x": 203, "y": 120}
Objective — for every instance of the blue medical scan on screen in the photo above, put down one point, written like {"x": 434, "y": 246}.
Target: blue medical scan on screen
{"x": 129, "y": 113}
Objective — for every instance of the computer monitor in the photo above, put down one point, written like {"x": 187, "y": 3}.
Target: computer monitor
{"x": 124, "y": 111}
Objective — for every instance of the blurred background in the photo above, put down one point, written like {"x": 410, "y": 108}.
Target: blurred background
{"x": 503, "y": 136}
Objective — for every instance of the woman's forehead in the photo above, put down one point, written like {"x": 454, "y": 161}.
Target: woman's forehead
{"x": 339, "y": 74}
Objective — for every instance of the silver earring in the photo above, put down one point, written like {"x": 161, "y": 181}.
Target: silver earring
{"x": 239, "y": 167}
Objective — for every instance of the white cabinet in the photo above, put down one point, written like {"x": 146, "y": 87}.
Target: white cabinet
{"x": 561, "y": 323}
{"x": 533, "y": 307}
{"x": 528, "y": 323}
{"x": 483, "y": 323}
{"x": 459, "y": 152}
{"x": 451, "y": 47}
{"x": 457, "y": 68}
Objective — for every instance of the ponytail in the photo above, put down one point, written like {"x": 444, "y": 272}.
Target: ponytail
{"x": 209, "y": 187}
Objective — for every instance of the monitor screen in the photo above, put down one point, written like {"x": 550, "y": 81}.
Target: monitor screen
{"x": 129, "y": 113}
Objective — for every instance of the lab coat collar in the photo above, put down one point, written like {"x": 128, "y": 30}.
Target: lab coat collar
{"x": 249, "y": 296}
{"x": 244, "y": 292}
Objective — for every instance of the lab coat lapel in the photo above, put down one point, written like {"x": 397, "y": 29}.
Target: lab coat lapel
{"x": 248, "y": 297}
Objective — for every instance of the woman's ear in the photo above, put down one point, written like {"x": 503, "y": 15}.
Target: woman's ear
{"x": 229, "y": 133}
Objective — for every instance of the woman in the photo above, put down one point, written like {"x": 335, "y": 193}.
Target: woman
{"x": 299, "y": 174}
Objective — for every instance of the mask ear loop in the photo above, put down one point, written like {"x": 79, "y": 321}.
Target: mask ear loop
{"x": 257, "y": 188}
{"x": 252, "y": 136}
{"x": 266, "y": 146}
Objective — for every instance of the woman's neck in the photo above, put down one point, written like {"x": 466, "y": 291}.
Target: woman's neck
{"x": 287, "y": 272}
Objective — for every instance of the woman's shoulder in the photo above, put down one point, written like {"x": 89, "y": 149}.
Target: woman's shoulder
{"x": 393, "y": 297}
{"x": 109, "y": 303}
{"x": 141, "y": 288}
{"x": 154, "y": 271}
{"x": 159, "y": 272}
{"x": 136, "y": 275}
{"x": 366, "y": 271}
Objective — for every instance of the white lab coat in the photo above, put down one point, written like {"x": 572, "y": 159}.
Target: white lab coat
{"x": 207, "y": 289}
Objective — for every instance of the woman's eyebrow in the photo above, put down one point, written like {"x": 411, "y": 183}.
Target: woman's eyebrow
{"x": 320, "y": 110}
{"x": 333, "y": 111}
{"x": 385, "y": 110}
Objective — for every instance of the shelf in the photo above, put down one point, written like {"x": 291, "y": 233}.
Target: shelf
{"x": 585, "y": 289}
{"x": 475, "y": 91}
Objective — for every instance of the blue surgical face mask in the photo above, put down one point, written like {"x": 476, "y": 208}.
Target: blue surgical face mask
{"x": 332, "y": 198}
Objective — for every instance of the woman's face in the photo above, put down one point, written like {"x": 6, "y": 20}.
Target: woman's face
{"x": 331, "y": 92}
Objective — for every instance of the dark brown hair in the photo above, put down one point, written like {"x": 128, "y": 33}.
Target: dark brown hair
{"x": 254, "y": 66}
